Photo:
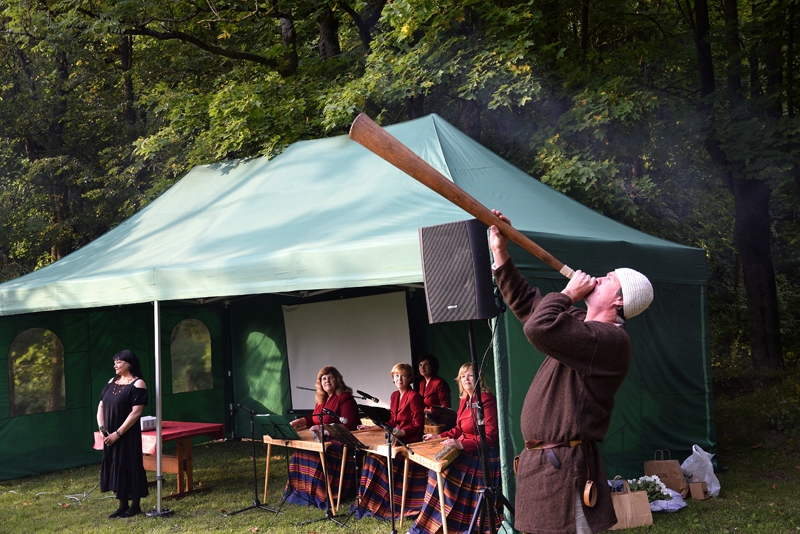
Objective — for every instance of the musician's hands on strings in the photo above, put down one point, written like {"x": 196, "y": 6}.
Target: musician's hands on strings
{"x": 427, "y": 437}
{"x": 498, "y": 242}
{"x": 452, "y": 442}
{"x": 298, "y": 424}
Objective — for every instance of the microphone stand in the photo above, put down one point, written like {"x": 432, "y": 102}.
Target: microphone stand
{"x": 390, "y": 466}
{"x": 256, "y": 502}
{"x": 329, "y": 515}
{"x": 489, "y": 495}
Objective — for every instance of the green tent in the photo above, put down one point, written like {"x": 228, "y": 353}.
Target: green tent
{"x": 237, "y": 246}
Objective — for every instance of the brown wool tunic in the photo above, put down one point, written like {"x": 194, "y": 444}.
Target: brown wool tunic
{"x": 571, "y": 398}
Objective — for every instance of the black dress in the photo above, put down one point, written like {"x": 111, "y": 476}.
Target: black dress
{"x": 122, "y": 470}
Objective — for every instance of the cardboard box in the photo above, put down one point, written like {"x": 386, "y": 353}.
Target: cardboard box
{"x": 698, "y": 490}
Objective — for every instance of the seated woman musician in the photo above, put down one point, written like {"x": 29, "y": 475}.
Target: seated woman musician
{"x": 407, "y": 420}
{"x": 463, "y": 477}
{"x": 306, "y": 484}
{"x": 435, "y": 391}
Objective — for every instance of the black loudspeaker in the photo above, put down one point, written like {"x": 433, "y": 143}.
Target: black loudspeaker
{"x": 457, "y": 272}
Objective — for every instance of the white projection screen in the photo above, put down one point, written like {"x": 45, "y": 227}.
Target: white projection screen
{"x": 362, "y": 337}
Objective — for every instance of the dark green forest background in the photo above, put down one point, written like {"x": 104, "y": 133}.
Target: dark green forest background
{"x": 676, "y": 117}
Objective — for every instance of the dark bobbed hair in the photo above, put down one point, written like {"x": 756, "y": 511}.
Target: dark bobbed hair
{"x": 320, "y": 396}
{"x": 431, "y": 360}
{"x": 129, "y": 357}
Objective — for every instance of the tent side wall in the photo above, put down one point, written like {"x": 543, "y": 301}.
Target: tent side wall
{"x": 90, "y": 338}
{"x": 260, "y": 365}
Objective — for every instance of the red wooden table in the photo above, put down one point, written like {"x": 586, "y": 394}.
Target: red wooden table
{"x": 182, "y": 462}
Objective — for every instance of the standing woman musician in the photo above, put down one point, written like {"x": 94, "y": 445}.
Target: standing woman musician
{"x": 462, "y": 479}
{"x": 306, "y": 484}
{"x": 121, "y": 404}
{"x": 434, "y": 390}
{"x": 408, "y": 420}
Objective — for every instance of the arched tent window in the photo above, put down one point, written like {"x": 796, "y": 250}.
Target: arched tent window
{"x": 36, "y": 373}
{"x": 190, "y": 350}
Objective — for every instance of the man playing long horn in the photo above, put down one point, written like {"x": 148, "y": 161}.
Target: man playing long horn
{"x": 561, "y": 481}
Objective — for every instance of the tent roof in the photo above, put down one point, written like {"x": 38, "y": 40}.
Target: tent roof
{"x": 325, "y": 214}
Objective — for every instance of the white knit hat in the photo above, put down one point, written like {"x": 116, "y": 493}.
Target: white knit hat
{"x": 637, "y": 292}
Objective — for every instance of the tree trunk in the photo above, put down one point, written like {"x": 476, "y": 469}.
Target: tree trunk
{"x": 415, "y": 106}
{"x": 790, "y": 60}
{"x": 126, "y": 58}
{"x": 56, "y": 394}
{"x": 751, "y": 199}
{"x": 328, "y": 26}
{"x": 289, "y": 40}
{"x": 584, "y": 27}
{"x": 752, "y": 238}
{"x": 60, "y": 185}
{"x": 469, "y": 120}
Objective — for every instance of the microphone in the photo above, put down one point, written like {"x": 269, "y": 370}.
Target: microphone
{"x": 307, "y": 389}
{"x": 343, "y": 420}
{"x": 367, "y": 396}
{"x": 252, "y": 412}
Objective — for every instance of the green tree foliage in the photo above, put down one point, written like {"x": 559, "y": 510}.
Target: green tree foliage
{"x": 678, "y": 118}
{"x": 190, "y": 354}
{"x": 36, "y": 373}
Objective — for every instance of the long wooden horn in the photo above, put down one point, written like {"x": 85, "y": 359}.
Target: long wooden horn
{"x": 367, "y": 133}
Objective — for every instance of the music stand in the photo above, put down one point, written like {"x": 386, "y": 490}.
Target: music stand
{"x": 381, "y": 416}
{"x": 378, "y": 414}
{"x": 329, "y": 515}
{"x": 342, "y": 434}
{"x": 278, "y": 427}
{"x": 256, "y": 502}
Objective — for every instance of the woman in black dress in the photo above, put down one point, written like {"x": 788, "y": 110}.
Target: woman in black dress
{"x": 121, "y": 404}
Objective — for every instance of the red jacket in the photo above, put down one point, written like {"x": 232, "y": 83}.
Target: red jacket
{"x": 343, "y": 404}
{"x": 466, "y": 430}
{"x": 435, "y": 393}
{"x": 408, "y": 414}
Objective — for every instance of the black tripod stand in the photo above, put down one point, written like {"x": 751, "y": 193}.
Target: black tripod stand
{"x": 378, "y": 418}
{"x": 329, "y": 514}
{"x": 256, "y": 502}
{"x": 489, "y": 495}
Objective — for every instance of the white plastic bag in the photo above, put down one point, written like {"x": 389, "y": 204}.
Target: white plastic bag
{"x": 699, "y": 465}
{"x": 673, "y": 505}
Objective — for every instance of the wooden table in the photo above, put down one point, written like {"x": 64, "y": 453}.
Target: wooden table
{"x": 306, "y": 442}
{"x": 373, "y": 438}
{"x": 433, "y": 455}
{"x": 182, "y": 463}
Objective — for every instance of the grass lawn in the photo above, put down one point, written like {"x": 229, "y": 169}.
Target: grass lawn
{"x": 760, "y": 489}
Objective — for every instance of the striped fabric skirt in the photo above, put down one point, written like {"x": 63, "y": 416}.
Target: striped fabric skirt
{"x": 373, "y": 490}
{"x": 461, "y": 481}
{"x": 306, "y": 485}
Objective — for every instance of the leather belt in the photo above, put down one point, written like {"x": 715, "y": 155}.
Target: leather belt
{"x": 547, "y": 446}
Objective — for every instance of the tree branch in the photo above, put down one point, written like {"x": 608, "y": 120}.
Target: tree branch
{"x": 216, "y": 50}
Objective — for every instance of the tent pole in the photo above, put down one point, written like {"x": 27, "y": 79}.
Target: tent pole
{"x": 157, "y": 352}
{"x": 502, "y": 383}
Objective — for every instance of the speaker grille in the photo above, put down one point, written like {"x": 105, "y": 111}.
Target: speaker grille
{"x": 456, "y": 270}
